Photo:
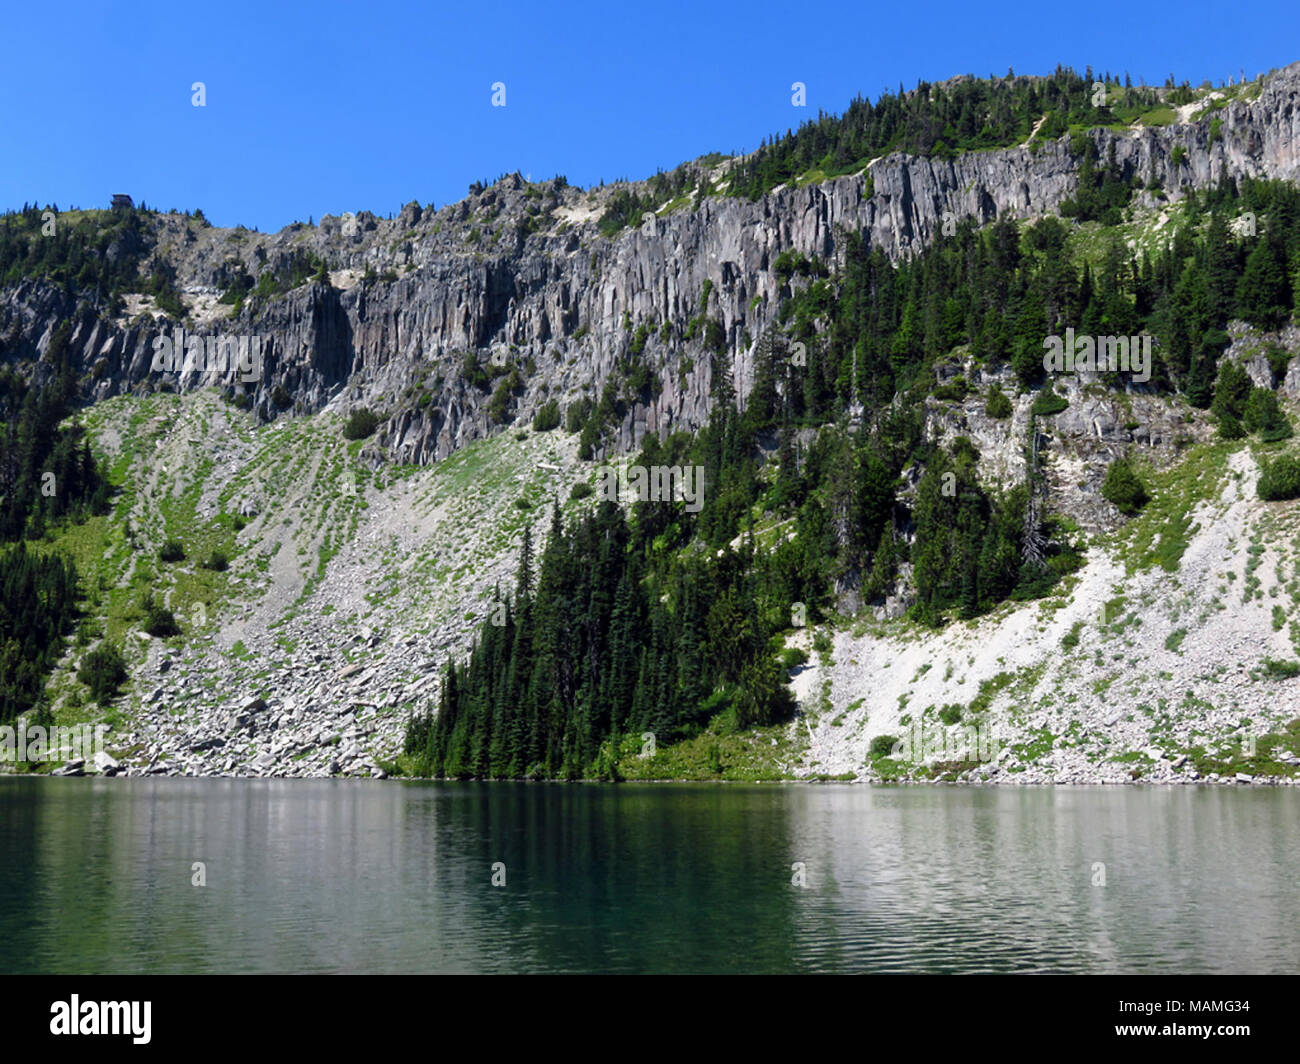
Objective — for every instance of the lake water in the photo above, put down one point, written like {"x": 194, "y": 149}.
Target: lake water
{"x": 96, "y": 876}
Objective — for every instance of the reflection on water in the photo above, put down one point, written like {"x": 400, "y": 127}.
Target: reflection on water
{"x": 333, "y": 876}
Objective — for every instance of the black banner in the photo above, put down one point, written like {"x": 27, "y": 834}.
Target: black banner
{"x": 385, "y": 1013}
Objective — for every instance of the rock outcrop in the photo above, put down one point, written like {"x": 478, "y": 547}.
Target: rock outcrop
{"x": 521, "y": 273}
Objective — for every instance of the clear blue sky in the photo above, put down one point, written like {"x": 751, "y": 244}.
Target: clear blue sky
{"x": 323, "y": 107}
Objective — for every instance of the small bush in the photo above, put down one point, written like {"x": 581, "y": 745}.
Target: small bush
{"x": 955, "y": 390}
{"x": 1280, "y": 479}
{"x": 997, "y": 405}
{"x": 581, "y": 490}
{"x": 547, "y": 418}
{"x": 882, "y": 745}
{"x": 1123, "y": 488}
{"x": 950, "y": 714}
{"x": 1281, "y": 670}
{"x": 789, "y": 263}
{"x": 160, "y": 622}
{"x": 499, "y": 406}
{"x": 102, "y": 671}
{"x": 1278, "y": 360}
{"x": 793, "y": 658}
{"x": 217, "y": 562}
{"x": 1230, "y": 428}
{"x": 360, "y": 425}
{"x": 1263, "y": 415}
{"x": 588, "y": 440}
{"x": 1048, "y": 402}
{"x": 575, "y": 416}
{"x": 172, "y": 551}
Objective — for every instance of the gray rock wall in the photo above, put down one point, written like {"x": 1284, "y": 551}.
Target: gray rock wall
{"x": 517, "y": 272}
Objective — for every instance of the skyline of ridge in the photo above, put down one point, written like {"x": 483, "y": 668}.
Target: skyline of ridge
{"x": 276, "y": 140}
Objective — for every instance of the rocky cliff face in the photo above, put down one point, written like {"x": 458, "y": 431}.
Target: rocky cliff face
{"x": 519, "y": 273}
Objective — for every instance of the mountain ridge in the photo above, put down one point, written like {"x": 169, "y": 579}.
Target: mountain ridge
{"x": 350, "y": 560}
{"x": 353, "y": 342}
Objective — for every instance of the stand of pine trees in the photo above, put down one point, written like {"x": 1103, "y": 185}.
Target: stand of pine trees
{"x": 606, "y": 644}
{"x": 38, "y": 607}
{"x": 47, "y": 475}
{"x": 95, "y": 254}
{"x": 1001, "y": 290}
{"x": 941, "y": 120}
{"x": 655, "y": 619}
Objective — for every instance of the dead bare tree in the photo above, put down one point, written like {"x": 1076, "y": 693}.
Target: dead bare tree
{"x": 1033, "y": 542}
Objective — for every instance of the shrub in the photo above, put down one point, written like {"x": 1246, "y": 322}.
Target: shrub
{"x": 997, "y": 405}
{"x": 1230, "y": 428}
{"x": 1231, "y": 390}
{"x": 102, "y": 671}
{"x": 217, "y": 562}
{"x": 950, "y": 714}
{"x": 1263, "y": 415}
{"x": 1281, "y": 670}
{"x": 172, "y": 551}
{"x": 788, "y": 263}
{"x": 882, "y": 745}
{"x": 575, "y": 416}
{"x": 160, "y": 622}
{"x": 715, "y": 336}
{"x": 955, "y": 390}
{"x": 499, "y": 407}
{"x": 581, "y": 490}
{"x": 547, "y": 418}
{"x": 360, "y": 424}
{"x": 588, "y": 440}
{"x": 1123, "y": 488}
{"x": 473, "y": 372}
{"x": 1278, "y": 360}
{"x": 1048, "y": 402}
{"x": 1280, "y": 479}
{"x": 793, "y": 657}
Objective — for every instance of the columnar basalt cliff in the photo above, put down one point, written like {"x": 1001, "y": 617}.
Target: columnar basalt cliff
{"x": 520, "y": 272}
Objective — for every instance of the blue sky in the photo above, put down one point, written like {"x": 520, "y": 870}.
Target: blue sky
{"x": 323, "y": 107}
